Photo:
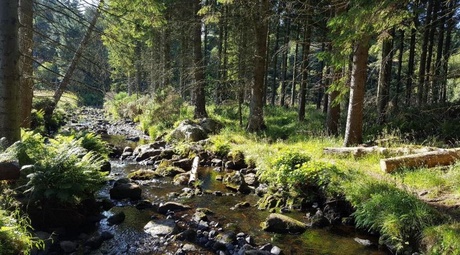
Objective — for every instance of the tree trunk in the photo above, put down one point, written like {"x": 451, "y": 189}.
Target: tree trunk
{"x": 447, "y": 51}
{"x": 438, "y": 66}
{"x": 284, "y": 68}
{"x": 74, "y": 62}
{"x": 399, "y": 71}
{"x": 200, "y": 99}
{"x": 294, "y": 71}
{"x": 333, "y": 108}
{"x": 428, "y": 73}
{"x": 9, "y": 72}
{"x": 423, "y": 56}
{"x": 256, "y": 118}
{"x": 354, "y": 126}
{"x": 305, "y": 64}
{"x": 427, "y": 159}
{"x": 320, "y": 92}
{"x": 383, "y": 90}
{"x": 275, "y": 64}
{"x": 26, "y": 42}
{"x": 410, "y": 67}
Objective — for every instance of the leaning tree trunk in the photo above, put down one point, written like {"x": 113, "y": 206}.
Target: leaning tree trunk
{"x": 354, "y": 126}
{"x": 9, "y": 72}
{"x": 26, "y": 42}
{"x": 200, "y": 99}
{"x": 74, "y": 62}
{"x": 256, "y": 117}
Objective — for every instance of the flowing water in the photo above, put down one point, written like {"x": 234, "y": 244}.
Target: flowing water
{"x": 129, "y": 237}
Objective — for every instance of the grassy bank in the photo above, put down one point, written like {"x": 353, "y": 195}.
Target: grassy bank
{"x": 290, "y": 153}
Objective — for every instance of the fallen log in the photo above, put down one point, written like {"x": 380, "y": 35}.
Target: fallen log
{"x": 362, "y": 151}
{"x": 194, "y": 172}
{"x": 441, "y": 157}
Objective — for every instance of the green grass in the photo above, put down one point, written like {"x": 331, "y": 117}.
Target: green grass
{"x": 290, "y": 153}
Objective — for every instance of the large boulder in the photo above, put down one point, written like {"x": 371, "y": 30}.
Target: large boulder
{"x": 189, "y": 131}
{"x": 235, "y": 181}
{"x": 210, "y": 126}
{"x": 279, "y": 223}
{"x": 9, "y": 170}
{"x": 123, "y": 189}
{"x": 161, "y": 227}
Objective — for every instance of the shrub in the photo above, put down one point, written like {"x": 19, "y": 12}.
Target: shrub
{"x": 15, "y": 237}
{"x": 64, "y": 172}
{"x": 442, "y": 240}
{"x": 398, "y": 216}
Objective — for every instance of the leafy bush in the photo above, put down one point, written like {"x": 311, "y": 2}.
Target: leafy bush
{"x": 398, "y": 216}
{"x": 298, "y": 172}
{"x": 63, "y": 171}
{"x": 15, "y": 237}
{"x": 93, "y": 142}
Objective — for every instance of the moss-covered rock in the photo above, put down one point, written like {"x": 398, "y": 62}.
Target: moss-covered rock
{"x": 143, "y": 174}
{"x": 280, "y": 223}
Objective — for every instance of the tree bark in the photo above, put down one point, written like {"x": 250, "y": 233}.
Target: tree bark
{"x": 383, "y": 90}
{"x": 26, "y": 42}
{"x": 294, "y": 71}
{"x": 9, "y": 72}
{"x": 75, "y": 60}
{"x": 256, "y": 117}
{"x": 305, "y": 64}
{"x": 275, "y": 64}
{"x": 410, "y": 67}
{"x": 284, "y": 68}
{"x": 427, "y": 159}
{"x": 423, "y": 56}
{"x": 200, "y": 99}
{"x": 333, "y": 108}
{"x": 399, "y": 71}
{"x": 354, "y": 126}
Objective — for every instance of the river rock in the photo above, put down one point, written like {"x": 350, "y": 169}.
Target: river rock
{"x": 251, "y": 179}
{"x": 122, "y": 190}
{"x": 161, "y": 227}
{"x": 181, "y": 179}
{"x": 68, "y": 246}
{"x": 279, "y": 223}
{"x": 235, "y": 181}
{"x": 116, "y": 219}
{"x": 106, "y": 167}
{"x": 169, "y": 170}
{"x": 172, "y": 206}
{"x": 210, "y": 126}
{"x": 236, "y": 160}
{"x": 185, "y": 164}
{"x": 143, "y": 155}
{"x": 143, "y": 174}
{"x": 9, "y": 170}
{"x": 188, "y": 131}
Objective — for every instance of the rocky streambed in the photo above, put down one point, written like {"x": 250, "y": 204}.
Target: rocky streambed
{"x": 158, "y": 202}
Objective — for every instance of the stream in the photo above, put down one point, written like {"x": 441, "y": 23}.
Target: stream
{"x": 130, "y": 237}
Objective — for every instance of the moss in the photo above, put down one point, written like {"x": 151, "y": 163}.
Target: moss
{"x": 143, "y": 174}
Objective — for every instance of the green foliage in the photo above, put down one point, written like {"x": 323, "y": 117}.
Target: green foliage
{"x": 397, "y": 215}
{"x": 299, "y": 172}
{"x": 15, "y": 237}
{"x": 220, "y": 146}
{"x": 442, "y": 240}
{"x": 155, "y": 114}
{"x": 93, "y": 142}
{"x": 63, "y": 171}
